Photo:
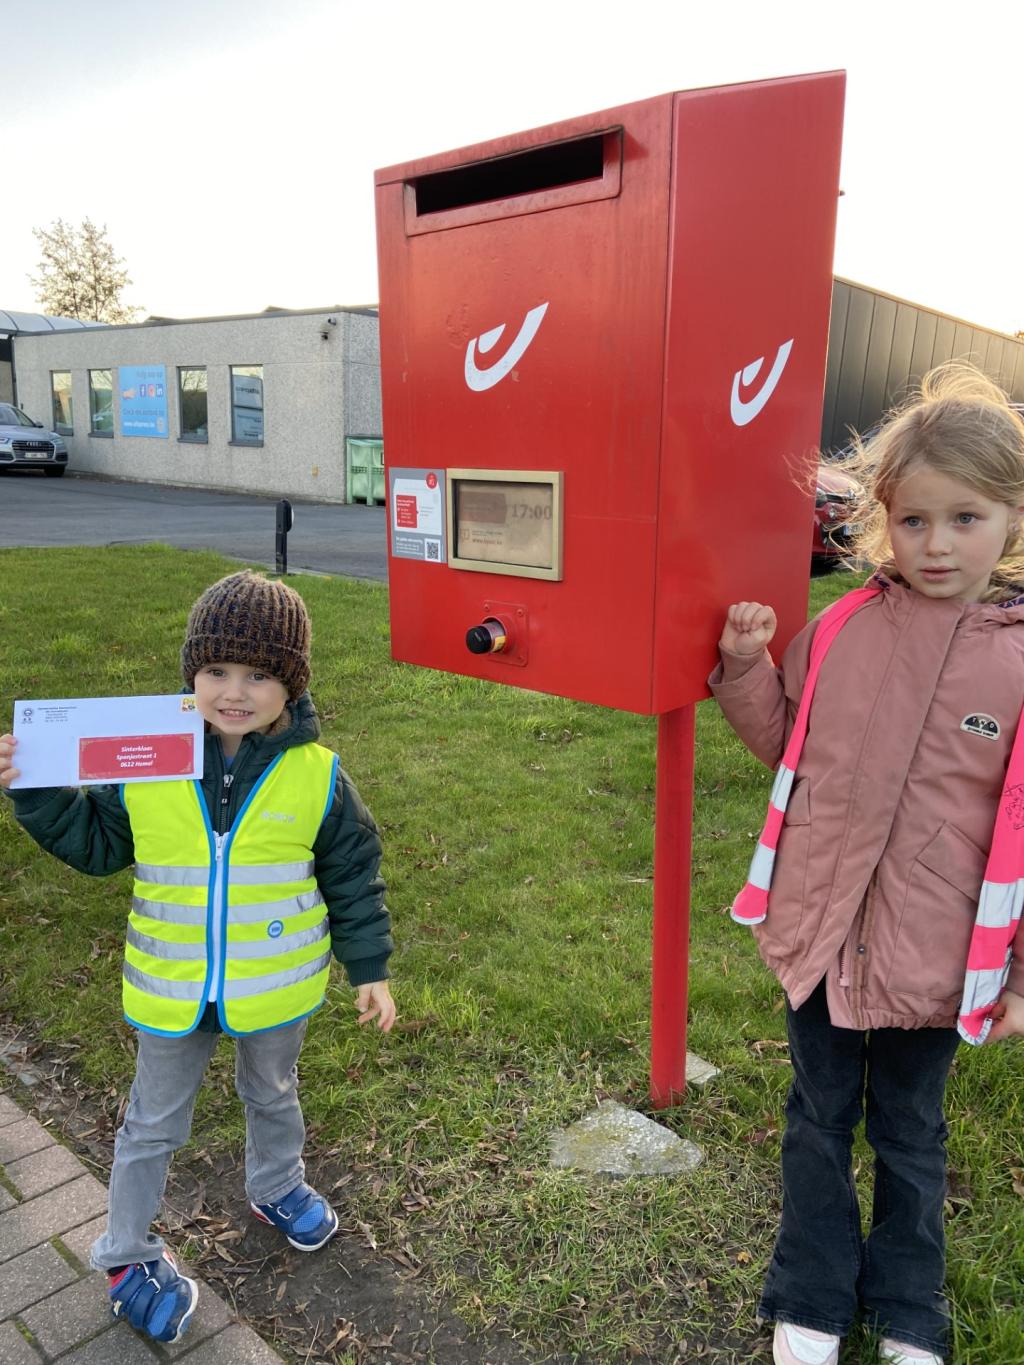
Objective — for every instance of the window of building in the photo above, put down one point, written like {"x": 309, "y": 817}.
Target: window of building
{"x": 247, "y": 405}
{"x": 192, "y": 415}
{"x": 101, "y": 403}
{"x": 60, "y": 393}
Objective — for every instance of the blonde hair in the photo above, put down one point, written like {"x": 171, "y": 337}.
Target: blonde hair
{"x": 959, "y": 423}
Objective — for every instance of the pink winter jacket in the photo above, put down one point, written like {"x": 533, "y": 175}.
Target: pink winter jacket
{"x": 886, "y": 834}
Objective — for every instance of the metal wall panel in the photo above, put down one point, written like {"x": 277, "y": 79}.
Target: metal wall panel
{"x": 900, "y": 357}
{"x": 880, "y": 347}
{"x": 945, "y": 332}
{"x": 965, "y": 344}
{"x": 876, "y": 370}
{"x": 924, "y": 344}
{"x": 834, "y": 363}
{"x": 1017, "y": 383}
{"x": 995, "y": 362}
{"x": 855, "y": 357}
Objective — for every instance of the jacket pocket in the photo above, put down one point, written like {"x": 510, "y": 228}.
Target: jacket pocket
{"x": 786, "y": 899}
{"x": 930, "y": 950}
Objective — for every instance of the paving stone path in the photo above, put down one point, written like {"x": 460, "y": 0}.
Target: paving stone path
{"x": 52, "y": 1306}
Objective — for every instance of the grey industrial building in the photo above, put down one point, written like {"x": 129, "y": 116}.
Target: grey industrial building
{"x": 287, "y": 403}
{"x": 270, "y": 402}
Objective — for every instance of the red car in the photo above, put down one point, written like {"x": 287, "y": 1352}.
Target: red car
{"x": 834, "y": 499}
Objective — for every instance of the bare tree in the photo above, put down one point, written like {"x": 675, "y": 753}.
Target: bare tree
{"x": 79, "y": 274}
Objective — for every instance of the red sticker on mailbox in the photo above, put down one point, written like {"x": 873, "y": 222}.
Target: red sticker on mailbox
{"x": 405, "y": 509}
{"x": 118, "y": 757}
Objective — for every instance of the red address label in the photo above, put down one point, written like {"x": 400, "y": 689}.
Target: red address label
{"x": 103, "y": 757}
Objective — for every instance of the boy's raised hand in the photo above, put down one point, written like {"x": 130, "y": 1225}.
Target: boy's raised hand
{"x": 7, "y": 770}
{"x": 373, "y": 1001}
{"x": 749, "y": 626}
{"x": 1007, "y": 1017}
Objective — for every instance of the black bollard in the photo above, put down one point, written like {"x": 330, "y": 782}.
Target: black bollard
{"x": 285, "y": 521}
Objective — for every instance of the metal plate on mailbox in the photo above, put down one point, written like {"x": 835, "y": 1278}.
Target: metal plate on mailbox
{"x": 506, "y": 521}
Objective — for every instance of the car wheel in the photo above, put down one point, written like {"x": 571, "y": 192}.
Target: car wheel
{"x": 823, "y": 564}
{"x": 55, "y": 471}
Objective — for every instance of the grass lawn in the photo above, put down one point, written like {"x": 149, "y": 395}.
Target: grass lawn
{"x": 518, "y": 834}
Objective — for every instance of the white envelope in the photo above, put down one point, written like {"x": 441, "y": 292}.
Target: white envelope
{"x": 76, "y": 742}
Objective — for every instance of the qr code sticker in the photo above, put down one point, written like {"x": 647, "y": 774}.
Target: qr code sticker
{"x": 432, "y": 549}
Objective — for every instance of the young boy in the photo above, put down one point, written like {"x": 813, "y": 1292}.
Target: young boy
{"x": 245, "y": 884}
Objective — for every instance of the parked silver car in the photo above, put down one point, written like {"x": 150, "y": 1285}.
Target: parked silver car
{"x": 25, "y": 444}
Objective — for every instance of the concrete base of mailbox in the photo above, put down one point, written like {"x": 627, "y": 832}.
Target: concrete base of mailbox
{"x": 698, "y": 1071}
{"x": 615, "y": 1141}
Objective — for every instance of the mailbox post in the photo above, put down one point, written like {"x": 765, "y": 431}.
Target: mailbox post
{"x": 602, "y": 357}
{"x": 285, "y": 521}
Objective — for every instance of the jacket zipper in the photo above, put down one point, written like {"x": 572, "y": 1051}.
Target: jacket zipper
{"x": 221, "y": 834}
{"x": 225, "y": 799}
{"x": 216, "y": 948}
{"x": 844, "y": 979}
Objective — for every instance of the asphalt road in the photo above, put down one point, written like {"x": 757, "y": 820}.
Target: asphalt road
{"x": 79, "y": 510}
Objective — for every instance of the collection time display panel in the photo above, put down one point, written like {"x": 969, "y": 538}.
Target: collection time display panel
{"x": 506, "y": 521}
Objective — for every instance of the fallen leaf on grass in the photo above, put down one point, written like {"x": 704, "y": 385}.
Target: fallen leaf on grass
{"x": 406, "y": 1258}
{"x": 345, "y": 1330}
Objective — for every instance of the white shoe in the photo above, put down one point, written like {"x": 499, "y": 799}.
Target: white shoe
{"x": 794, "y": 1345}
{"x": 899, "y": 1353}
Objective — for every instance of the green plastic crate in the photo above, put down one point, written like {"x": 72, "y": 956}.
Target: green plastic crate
{"x": 364, "y": 470}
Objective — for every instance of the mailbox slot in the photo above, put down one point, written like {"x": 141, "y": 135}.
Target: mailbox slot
{"x": 576, "y": 170}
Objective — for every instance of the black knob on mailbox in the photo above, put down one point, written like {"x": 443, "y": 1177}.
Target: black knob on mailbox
{"x": 490, "y": 637}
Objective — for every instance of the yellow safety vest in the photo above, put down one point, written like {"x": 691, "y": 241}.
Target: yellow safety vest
{"x": 240, "y": 911}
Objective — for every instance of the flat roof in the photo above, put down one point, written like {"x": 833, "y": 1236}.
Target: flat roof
{"x": 366, "y": 310}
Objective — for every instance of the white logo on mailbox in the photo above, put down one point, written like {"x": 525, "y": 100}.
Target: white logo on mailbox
{"x": 742, "y": 410}
{"x": 480, "y": 379}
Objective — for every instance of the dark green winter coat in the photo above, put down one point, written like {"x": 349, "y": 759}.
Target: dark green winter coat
{"x": 88, "y": 828}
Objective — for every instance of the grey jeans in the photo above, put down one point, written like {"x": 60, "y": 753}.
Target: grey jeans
{"x": 168, "y": 1074}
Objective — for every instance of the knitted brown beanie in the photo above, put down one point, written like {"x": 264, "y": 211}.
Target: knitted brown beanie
{"x": 248, "y": 619}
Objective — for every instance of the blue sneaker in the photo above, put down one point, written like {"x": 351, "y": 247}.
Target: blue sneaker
{"x": 154, "y": 1298}
{"x": 304, "y": 1216}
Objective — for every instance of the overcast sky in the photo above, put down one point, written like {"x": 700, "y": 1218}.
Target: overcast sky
{"x": 229, "y": 147}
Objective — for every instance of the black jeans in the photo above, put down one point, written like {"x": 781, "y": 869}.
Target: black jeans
{"x": 823, "y": 1267}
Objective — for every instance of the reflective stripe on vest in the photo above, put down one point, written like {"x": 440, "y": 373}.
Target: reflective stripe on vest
{"x": 251, "y": 890}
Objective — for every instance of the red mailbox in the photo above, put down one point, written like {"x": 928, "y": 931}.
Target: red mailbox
{"x": 602, "y": 357}
{"x": 602, "y": 353}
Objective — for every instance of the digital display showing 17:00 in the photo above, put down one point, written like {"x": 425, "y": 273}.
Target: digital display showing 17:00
{"x": 505, "y": 523}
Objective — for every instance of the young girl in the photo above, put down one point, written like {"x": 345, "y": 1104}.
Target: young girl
{"x": 894, "y": 715}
